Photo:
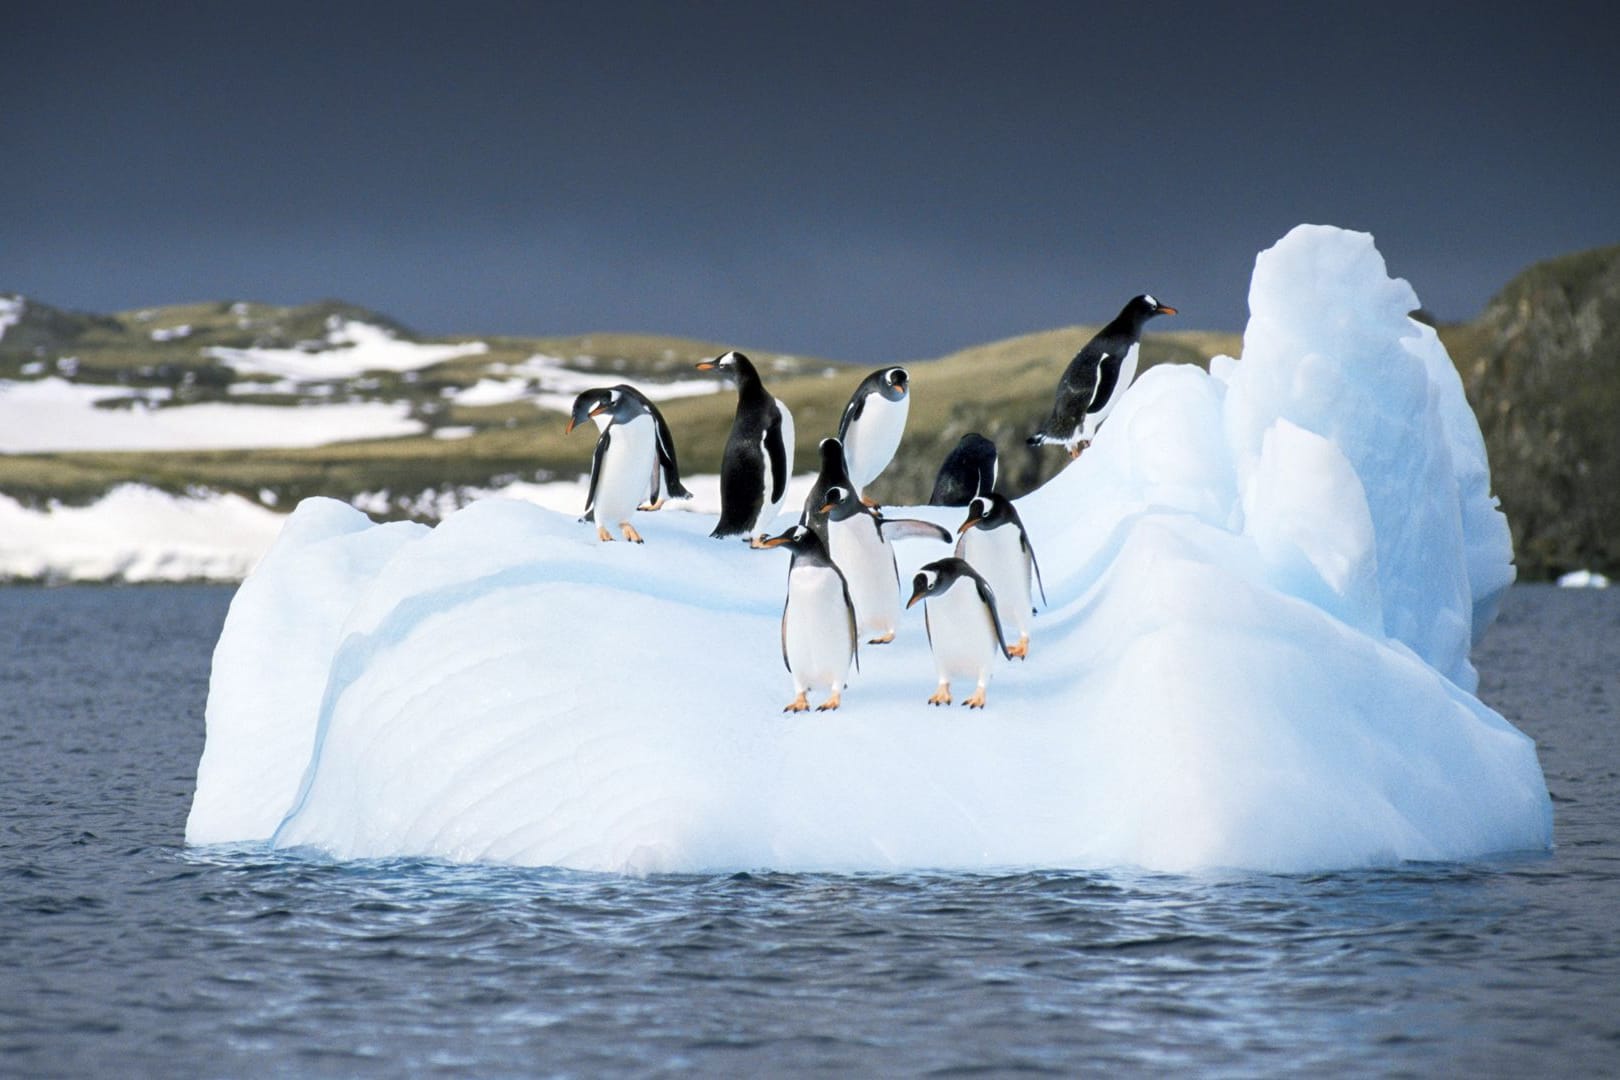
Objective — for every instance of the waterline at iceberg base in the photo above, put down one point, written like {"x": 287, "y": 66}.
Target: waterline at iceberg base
{"x": 1263, "y": 584}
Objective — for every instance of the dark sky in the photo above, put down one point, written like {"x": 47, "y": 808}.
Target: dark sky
{"x": 866, "y": 181}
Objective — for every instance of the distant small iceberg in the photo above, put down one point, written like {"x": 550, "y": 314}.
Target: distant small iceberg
{"x": 1583, "y": 579}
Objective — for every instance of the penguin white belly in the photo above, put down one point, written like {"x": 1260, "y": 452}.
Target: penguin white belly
{"x": 999, "y": 558}
{"x": 815, "y": 630}
{"x": 960, "y": 633}
{"x": 623, "y": 483}
{"x": 768, "y": 510}
{"x": 1127, "y": 373}
{"x": 867, "y": 561}
{"x": 872, "y": 439}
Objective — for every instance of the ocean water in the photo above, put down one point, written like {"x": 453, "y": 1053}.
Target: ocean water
{"x": 123, "y": 952}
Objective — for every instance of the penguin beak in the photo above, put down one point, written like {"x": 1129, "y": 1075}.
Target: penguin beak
{"x": 827, "y": 509}
{"x": 706, "y": 365}
{"x": 599, "y": 410}
{"x": 916, "y": 596}
{"x": 570, "y": 428}
{"x": 968, "y": 524}
{"x": 899, "y": 385}
{"x": 1166, "y": 309}
{"x": 776, "y": 541}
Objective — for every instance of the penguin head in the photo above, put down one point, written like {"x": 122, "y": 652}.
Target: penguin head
{"x": 791, "y": 539}
{"x": 589, "y": 404}
{"x": 839, "y": 502}
{"x": 985, "y": 512}
{"x": 896, "y": 381}
{"x": 1146, "y": 306}
{"x": 927, "y": 582}
{"x": 732, "y": 362}
{"x": 832, "y": 451}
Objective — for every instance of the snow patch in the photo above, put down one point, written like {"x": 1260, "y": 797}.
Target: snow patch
{"x": 1583, "y": 579}
{"x": 355, "y": 348}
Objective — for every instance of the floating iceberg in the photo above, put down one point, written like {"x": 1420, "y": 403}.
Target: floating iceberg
{"x": 1263, "y": 587}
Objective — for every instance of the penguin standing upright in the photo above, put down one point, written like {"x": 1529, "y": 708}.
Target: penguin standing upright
{"x": 1097, "y": 376}
{"x": 964, "y": 629}
{"x": 624, "y": 463}
{"x": 758, "y": 457}
{"x": 858, "y": 539}
{"x": 994, "y": 542}
{"x": 818, "y": 621}
{"x": 969, "y": 470}
{"x": 872, "y": 424}
{"x": 666, "y": 479}
{"x": 834, "y": 474}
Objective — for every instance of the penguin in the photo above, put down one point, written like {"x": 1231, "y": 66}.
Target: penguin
{"x": 666, "y": 480}
{"x": 994, "y": 542}
{"x": 872, "y": 424}
{"x": 759, "y": 454}
{"x": 834, "y": 473}
{"x": 858, "y": 539}
{"x": 625, "y": 461}
{"x": 818, "y": 621}
{"x": 969, "y": 470}
{"x": 964, "y": 629}
{"x": 1097, "y": 376}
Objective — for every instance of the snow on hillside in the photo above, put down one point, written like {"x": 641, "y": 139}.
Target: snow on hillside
{"x": 1263, "y": 584}
{"x": 136, "y": 534}
{"x": 11, "y": 310}
{"x": 53, "y": 414}
{"x": 546, "y": 381}
{"x": 350, "y": 348}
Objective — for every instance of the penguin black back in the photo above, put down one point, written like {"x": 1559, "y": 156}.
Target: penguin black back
{"x": 969, "y": 470}
{"x": 754, "y": 450}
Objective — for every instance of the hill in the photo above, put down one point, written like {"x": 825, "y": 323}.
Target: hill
{"x": 1539, "y": 367}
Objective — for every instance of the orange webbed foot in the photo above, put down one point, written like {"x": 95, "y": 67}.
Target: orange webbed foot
{"x": 603, "y": 535}
{"x": 977, "y": 700}
{"x": 630, "y": 533}
{"x": 828, "y": 705}
{"x": 798, "y": 704}
{"x": 942, "y": 696}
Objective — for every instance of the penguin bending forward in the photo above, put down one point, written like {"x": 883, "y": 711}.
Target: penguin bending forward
{"x": 858, "y": 539}
{"x": 625, "y": 461}
{"x": 758, "y": 457}
{"x": 666, "y": 478}
{"x": 818, "y": 621}
{"x": 969, "y": 470}
{"x": 1097, "y": 376}
{"x": 872, "y": 424}
{"x": 993, "y": 540}
{"x": 964, "y": 630}
{"x": 834, "y": 474}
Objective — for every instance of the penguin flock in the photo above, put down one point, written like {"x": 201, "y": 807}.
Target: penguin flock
{"x": 843, "y": 585}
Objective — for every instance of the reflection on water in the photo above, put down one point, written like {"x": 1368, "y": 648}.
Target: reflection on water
{"x": 128, "y": 953}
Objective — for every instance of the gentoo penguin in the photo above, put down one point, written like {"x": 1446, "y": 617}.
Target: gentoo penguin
{"x": 858, "y": 539}
{"x": 1097, "y": 376}
{"x": 624, "y": 463}
{"x": 993, "y": 541}
{"x": 759, "y": 454}
{"x": 818, "y": 621}
{"x": 964, "y": 629}
{"x": 666, "y": 478}
{"x": 872, "y": 424}
{"x": 969, "y": 470}
{"x": 834, "y": 474}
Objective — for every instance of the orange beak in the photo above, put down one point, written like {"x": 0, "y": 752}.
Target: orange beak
{"x": 827, "y": 509}
{"x": 1165, "y": 309}
{"x": 705, "y": 365}
{"x": 569, "y": 429}
{"x": 916, "y": 596}
{"x": 775, "y": 541}
{"x": 968, "y": 524}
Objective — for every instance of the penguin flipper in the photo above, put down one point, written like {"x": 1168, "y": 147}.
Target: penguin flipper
{"x": 666, "y": 456}
{"x": 785, "y": 663}
{"x": 1029, "y": 552}
{"x": 1107, "y": 380}
{"x": 776, "y": 449}
{"x": 852, "y": 413}
{"x": 988, "y": 595}
{"x": 913, "y": 529}
{"x": 596, "y": 471}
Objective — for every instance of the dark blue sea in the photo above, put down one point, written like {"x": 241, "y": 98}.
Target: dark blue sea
{"x": 124, "y": 953}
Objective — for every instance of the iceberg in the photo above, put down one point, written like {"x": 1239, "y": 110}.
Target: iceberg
{"x": 1263, "y": 583}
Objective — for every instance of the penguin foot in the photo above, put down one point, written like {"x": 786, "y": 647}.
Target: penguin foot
{"x": 603, "y": 535}
{"x": 1020, "y": 650}
{"x": 630, "y": 533}
{"x": 867, "y": 500}
{"x": 798, "y": 704}
{"x": 977, "y": 700}
{"x": 828, "y": 705}
{"x": 650, "y": 507}
{"x": 1078, "y": 447}
{"x": 942, "y": 696}
{"x": 753, "y": 542}
{"x": 884, "y": 640}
